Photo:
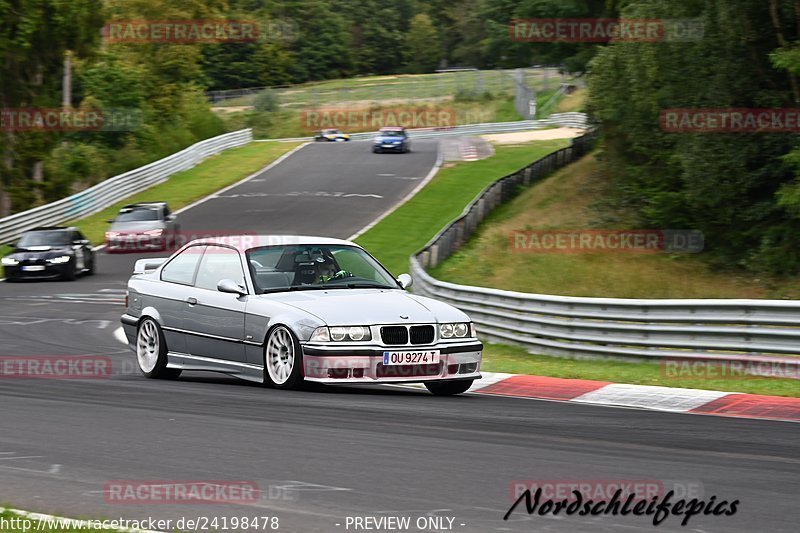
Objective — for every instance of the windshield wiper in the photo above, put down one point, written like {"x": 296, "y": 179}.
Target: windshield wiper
{"x": 367, "y": 285}
{"x": 355, "y": 285}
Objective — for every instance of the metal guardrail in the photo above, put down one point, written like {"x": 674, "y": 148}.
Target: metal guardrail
{"x": 762, "y": 331}
{"x": 113, "y": 189}
{"x": 571, "y": 120}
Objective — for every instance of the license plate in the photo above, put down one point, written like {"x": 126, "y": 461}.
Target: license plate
{"x": 389, "y": 145}
{"x": 426, "y": 357}
{"x": 33, "y": 268}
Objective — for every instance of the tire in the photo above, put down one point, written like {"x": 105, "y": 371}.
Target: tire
{"x": 449, "y": 388}
{"x": 70, "y": 274}
{"x": 283, "y": 359}
{"x": 91, "y": 269}
{"x": 151, "y": 351}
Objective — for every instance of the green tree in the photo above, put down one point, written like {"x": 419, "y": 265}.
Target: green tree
{"x": 422, "y": 45}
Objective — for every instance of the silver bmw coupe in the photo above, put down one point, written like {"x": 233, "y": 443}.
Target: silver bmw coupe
{"x": 284, "y": 310}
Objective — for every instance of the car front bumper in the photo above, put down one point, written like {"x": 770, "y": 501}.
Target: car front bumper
{"x": 50, "y": 271}
{"x": 327, "y": 364}
{"x": 136, "y": 243}
{"x": 388, "y": 147}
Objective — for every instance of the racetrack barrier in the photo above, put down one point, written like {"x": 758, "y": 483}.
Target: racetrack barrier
{"x": 116, "y": 188}
{"x": 762, "y": 331}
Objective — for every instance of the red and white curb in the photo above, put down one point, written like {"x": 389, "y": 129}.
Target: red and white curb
{"x": 671, "y": 399}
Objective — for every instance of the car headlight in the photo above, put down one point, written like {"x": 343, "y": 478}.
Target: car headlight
{"x": 341, "y": 333}
{"x": 112, "y": 234}
{"x": 456, "y": 330}
{"x": 10, "y": 261}
{"x": 153, "y": 232}
{"x": 59, "y": 260}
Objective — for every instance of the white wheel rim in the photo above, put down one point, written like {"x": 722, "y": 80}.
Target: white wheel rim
{"x": 280, "y": 355}
{"x": 147, "y": 346}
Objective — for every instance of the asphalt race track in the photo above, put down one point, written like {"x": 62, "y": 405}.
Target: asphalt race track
{"x": 323, "y": 455}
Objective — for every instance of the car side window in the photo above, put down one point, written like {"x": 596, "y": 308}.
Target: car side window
{"x": 182, "y": 267}
{"x": 218, "y": 263}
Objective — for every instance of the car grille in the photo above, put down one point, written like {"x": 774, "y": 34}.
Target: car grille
{"x": 407, "y": 371}
{"x": 393, "y": 335}
{"x": 421, "y": 334}
{"x": 399, "y": 335}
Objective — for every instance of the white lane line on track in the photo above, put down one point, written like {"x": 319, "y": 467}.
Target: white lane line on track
{"x": 275, "y": 163}
{"x": 436, "y": 166}
{"x": 41, "y": 517}
{"x": 278, "y": 161}
{"x": 119, "y": 334}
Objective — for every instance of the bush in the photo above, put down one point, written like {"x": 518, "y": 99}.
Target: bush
{"x": 266, "y": 101}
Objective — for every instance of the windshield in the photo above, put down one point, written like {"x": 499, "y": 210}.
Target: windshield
{"x": 310, "y": 267}
{"x": 44, "y": 238}
{"x": 137, "y": 215}
{"x": 392, "y": 133}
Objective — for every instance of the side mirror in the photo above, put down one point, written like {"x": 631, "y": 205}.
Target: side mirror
{"x": 81, "y": 242}
{"x": 405, "y": 280}
{"x": 171, "y": 218}
{"x": 230, "y": 286}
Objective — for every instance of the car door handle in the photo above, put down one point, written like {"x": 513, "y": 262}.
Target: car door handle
{"x": 191, "y": 301}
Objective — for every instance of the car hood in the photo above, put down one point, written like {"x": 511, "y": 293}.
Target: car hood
{"x": 352, "y": 307}
{"x": 136, "y": 227}
{"x": 40, "y": 252}
{"x": 382, "y": 139}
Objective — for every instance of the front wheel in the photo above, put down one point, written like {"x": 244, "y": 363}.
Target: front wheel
{"x": 151, "y": 351}
{"x": 449, "y": 388}
{"x": 70, "y": 272}
{"x": 283, "y": 359}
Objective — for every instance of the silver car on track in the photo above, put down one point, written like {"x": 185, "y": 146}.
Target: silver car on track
{"x": 282, "y": 310}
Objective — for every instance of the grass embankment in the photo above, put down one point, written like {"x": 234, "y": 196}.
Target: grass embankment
{"x": 574, "y": 102}
{"x": 412, "y": 225}
{"x": 186, "y": 187}
{"x": 570, "y": 200}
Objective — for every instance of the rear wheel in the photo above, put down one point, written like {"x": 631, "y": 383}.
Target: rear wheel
{"x": 283, "y": 359}
{"x": 449, "y": 388}
{"x": 151, "y": 351}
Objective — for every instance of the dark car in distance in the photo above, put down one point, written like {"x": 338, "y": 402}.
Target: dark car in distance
{"x": 50, "y": 253}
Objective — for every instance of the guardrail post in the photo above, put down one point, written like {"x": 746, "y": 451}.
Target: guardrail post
{"x": 433, "y": 260}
